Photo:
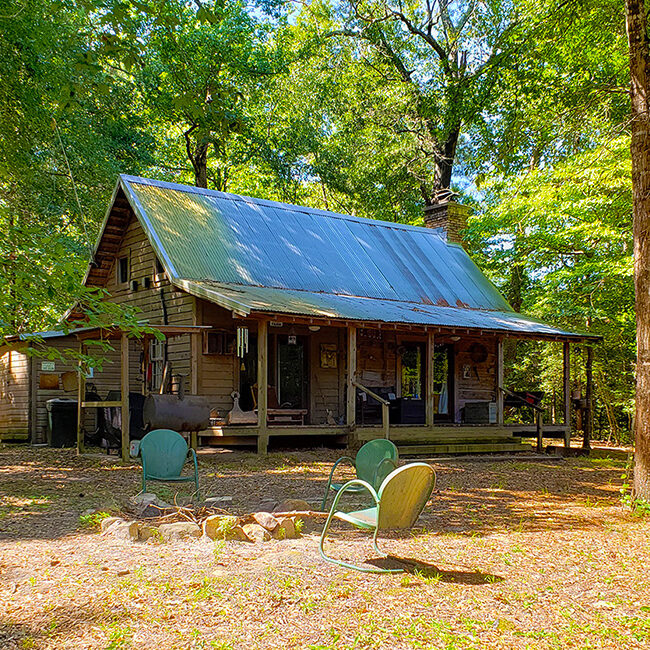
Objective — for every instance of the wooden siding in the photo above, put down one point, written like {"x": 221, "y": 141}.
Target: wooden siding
{"x": 160, "y": 303}
{"x": 377, "y": 364}
{"x": 327, "y": 384}
{"x": 40, "y": 396}
{"x": 218, "y": 373}
{"x": 475, "y": 382}
{"x": 14, "y": 391}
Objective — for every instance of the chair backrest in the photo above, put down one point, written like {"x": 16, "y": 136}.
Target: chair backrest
{"x": 370, "y": 456}
{"x": 403, "y": 495}
{"x": 272, "y": 397}
{"x": 164, "y": 452}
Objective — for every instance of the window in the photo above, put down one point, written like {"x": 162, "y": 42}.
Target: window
{"x": 412, "y": 371}
{"x": 156, "y": 363}
{"x": 443, "y": 364}
{"x": 122, "y": 270}
{"x": 158, "y": 271}
{"x": 217, "y": 342}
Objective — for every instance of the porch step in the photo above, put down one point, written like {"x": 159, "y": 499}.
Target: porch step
{"x": 462, "y": 448}
{"x": 449, "y": 437}
{"x": 443, "y": 435}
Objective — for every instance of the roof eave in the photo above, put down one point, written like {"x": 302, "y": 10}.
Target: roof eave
{"x": 238, "y": 308}
{"x": 575, "y": 337}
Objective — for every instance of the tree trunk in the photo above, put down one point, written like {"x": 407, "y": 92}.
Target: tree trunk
{"x": 197, "y": 153}
{"x": 200, "y": 164}
{"x": 640, "y": 151}
{"x": 445, "y": 166}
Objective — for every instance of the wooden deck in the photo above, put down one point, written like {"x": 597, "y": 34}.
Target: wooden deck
{"x": 410, "y": 439}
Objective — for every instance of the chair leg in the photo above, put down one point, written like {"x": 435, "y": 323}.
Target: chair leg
{"x": 348, "y": 565}
{"x": 374, "y": 544}
{"x": 323, "y": 504}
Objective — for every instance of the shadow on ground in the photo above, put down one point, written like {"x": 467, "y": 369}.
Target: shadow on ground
{"x": 43, "y": 492}
{"x": 432, "y": 572}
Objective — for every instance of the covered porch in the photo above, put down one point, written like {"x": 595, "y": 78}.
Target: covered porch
{"x": 430, "y": 389}
{"x": 306, "y": 381}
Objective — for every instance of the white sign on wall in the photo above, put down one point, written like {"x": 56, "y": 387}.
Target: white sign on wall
{"x": 48, "y": 366}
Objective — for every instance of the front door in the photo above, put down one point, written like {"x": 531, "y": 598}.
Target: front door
{"x": 248, "y": 376}
{"x": 412, "y": 382}
{"x": 443, "y": 377}
{"x": 292, "y": 375}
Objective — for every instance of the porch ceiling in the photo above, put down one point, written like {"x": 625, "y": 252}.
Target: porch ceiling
{"x": 246, "y": 300}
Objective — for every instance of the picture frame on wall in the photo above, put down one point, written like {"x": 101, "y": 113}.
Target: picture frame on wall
{"x": 328, "y": 355}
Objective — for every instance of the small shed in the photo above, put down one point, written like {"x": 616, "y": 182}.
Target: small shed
{"x": 28, "y": 381}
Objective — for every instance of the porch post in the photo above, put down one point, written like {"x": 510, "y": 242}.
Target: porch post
{"x": 567, "y": 393}
{"x": 352, "y": 373}
{"x": 589, "y": 411}
{"x": 194, "y": 378}
{"x": 499, "y": 380}
{"x": 262, "y": 386}
{"x": 430, "y": 410}
{"x": 126, "y": 434}
{"x": 81, "y": 396}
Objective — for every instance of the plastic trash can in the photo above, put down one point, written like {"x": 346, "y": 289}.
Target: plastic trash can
{"x": 61, "y": 422}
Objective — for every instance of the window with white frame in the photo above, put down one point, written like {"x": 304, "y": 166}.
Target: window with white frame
{"x": 156, "y": 363}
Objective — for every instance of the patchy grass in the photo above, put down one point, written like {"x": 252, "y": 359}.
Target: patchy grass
{"x": 506, "y": 555}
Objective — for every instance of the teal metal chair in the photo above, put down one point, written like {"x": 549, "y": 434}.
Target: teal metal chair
{"x": 163, "y": 454}
{"x": 398, "y": 503}
{"x": 373, "y": 463}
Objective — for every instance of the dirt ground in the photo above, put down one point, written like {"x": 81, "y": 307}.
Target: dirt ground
{"x": 512, "y": 554}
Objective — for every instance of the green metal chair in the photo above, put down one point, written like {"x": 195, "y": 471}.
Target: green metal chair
{"x": 163, "y": 454}
{"x": 398, "y": 503}
{"x": 373, "y": 463}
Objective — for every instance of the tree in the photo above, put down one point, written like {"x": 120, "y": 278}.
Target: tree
{"x": 640, "y": 152}
{"x": 442, "y": 62}
{"x": 564, "y": 93}
{"x": 65, "y": 135}
{"x": 196, "y": 66}
{"x": 568, "y": 229}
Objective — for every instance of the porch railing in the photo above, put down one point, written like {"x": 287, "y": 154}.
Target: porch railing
{"x": 539, "y": 415}
{"x": 385, "y": 412}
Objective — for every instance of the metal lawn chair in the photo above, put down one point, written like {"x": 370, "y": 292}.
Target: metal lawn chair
{"x": 163, "y": 454}
{"x": 398, "y": 503}
{"x": 373, "y": 463}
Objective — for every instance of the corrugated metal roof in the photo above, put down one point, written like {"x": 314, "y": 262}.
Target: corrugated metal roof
{"x": 48, "y": 334}
{"x": 256, "y": 255}
{"x": 354, "y": 308}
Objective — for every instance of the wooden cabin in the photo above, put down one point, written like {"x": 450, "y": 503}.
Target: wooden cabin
{"x": 323, "y": 324}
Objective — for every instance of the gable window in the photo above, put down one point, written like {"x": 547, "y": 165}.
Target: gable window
{"x": 122, "y": 270}
{"x": 158, "y": 271}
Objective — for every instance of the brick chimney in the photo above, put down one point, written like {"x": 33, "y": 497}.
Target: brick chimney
{"x": 448, "y": 216}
